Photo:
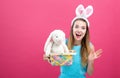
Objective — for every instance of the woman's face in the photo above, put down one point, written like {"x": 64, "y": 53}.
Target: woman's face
{"x": 79, "y": 30}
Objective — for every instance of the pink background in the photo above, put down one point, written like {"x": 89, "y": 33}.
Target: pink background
{"x": 26, "y": 24}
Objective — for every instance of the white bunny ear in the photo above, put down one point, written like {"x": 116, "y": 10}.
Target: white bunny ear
{"x": 88, "y": 11}
{"x": 83, "y": 13}
{"x": 80, "y": 10}
{"x": 49, "y": 40}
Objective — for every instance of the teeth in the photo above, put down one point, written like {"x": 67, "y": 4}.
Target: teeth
{"x": 78, "y": 34}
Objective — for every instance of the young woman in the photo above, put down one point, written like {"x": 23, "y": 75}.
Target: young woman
{"x": 83, "y": 61}
{"x": 85, "y": 54}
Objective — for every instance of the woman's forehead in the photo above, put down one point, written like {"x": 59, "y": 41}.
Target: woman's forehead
{"x": 80, "y": 23}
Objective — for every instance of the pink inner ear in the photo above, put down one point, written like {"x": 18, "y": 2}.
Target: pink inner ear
{"x": 51, "y": 40}
{"x": 80, "y": 11}
{"x": 88, "y": 11}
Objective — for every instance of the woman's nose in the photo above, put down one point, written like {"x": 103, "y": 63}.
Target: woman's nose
{"x": 79, "y": 30}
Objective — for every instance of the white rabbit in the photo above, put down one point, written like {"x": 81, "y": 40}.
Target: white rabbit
{"x": 56, "y": 43}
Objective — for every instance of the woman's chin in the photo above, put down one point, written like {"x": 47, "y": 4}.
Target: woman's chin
{"x": 78, "y": 38}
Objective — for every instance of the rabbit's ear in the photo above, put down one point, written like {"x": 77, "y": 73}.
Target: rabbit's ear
{"x": 80, "y": 10}
{"x": 49, "y": 40}
{"x": 88, "y": 11}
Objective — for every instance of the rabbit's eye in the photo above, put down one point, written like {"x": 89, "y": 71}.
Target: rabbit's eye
{"x": 56, "y": 36}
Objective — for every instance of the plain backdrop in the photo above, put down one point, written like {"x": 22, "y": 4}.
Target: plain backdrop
{"x": 26, "y": 24}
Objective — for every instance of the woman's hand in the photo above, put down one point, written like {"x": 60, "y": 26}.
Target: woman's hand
{"x": 94, "y": 55}
{"x": 91, "y": 57}
{"x": 47, "y": 58}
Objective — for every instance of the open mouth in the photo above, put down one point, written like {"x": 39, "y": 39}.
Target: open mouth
{"x": 78, "y": 35}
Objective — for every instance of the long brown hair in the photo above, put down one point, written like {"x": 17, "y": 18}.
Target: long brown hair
{"x": 85, "y": 43}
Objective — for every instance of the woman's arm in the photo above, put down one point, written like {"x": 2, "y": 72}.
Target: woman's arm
{"x": 90, "y": 67}
{"x": 91, "y": 57}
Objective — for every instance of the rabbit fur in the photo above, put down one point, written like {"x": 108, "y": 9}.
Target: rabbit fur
{"x": 56, "y": 43}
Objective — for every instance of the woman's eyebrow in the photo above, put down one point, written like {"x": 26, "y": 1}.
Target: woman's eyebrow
{"x": 83, "y": 26}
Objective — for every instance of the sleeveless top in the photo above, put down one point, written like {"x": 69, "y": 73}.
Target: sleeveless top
{"x": 76, "y": 70}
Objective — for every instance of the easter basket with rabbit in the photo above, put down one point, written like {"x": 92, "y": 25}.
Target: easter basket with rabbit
{"x": 61, "y": 59}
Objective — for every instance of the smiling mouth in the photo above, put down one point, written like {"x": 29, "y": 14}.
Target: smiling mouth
{"x": 78, "y": 35}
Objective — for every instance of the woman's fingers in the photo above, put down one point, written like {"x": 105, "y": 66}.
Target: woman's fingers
{"x": 98, "y": 53}
{"x": 49, "y": 60}
{"x": 46, "y": 57}
{"x": 94, "y": 55}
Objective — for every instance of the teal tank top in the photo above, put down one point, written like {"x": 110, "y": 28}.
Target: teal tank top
{"x": 76, "y": 70}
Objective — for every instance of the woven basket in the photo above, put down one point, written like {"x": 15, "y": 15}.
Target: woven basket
{"x": 61, "y": 59}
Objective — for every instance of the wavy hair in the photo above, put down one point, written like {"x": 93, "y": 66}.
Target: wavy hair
{"x": 85, "y": 46}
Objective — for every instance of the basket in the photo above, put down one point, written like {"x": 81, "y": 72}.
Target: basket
{"x": 61, "y": 59}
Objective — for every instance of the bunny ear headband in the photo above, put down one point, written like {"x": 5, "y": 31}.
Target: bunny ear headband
{"x": 83, "y": 13}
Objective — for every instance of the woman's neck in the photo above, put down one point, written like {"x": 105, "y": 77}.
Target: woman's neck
{"x": 77, "y": 42}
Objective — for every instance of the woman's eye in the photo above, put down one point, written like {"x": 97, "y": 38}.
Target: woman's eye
{"x": 76, "y": 26}
{"x": 83, "y": 28}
